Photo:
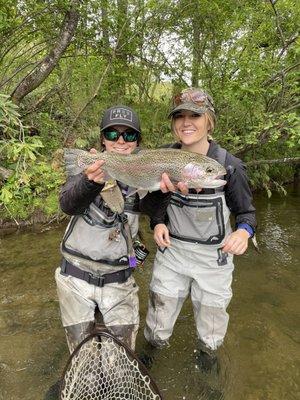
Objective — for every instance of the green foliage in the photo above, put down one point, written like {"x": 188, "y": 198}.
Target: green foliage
{"x": 10, "y": 123}
{"x": 33, "y": 184}
{"x": 31, "y": 190}
{"x": 245, "y": 53}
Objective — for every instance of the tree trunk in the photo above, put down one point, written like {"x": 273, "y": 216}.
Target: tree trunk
{"x": 46, "y": 66}
{"x": 105, "y": 25}
{"x": 196, "y": 51}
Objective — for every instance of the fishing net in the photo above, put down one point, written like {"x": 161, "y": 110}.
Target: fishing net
{"x": 102, "y": 367}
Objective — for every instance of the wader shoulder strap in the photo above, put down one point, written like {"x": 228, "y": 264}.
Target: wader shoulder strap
{"x": 125, "y": 229}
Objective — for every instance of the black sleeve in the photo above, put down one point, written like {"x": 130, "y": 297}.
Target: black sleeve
{"x": 77, "y": 194}
{"x": 155, "y": 205}
{"x": 237, "y": 192}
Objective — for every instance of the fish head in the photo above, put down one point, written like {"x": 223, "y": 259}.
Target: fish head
{"x": 204, "y": 175}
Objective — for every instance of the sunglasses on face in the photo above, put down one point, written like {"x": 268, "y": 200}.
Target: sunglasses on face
{"x": 113, "y": 135}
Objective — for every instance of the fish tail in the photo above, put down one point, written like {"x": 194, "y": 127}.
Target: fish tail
{"x": 71, "y": 161}
{"x": 255, "y": 244}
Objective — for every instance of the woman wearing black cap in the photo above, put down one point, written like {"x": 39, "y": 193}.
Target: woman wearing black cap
{"x": 194, "y": 237}
{"x": 95, "y": 271}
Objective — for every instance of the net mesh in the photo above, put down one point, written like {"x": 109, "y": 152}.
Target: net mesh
{"x": 102, "y": 368}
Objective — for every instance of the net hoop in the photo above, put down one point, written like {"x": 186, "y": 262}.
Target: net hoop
{"x": 100, "y": 333}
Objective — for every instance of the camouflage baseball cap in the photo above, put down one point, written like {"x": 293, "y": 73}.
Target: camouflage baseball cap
{"x": 192, "y": 99}
{"x": 120, "y": 115}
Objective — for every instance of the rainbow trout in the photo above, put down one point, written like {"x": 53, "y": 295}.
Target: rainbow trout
{"x": 143, "y": 170}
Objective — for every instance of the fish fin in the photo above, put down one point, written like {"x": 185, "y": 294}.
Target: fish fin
{"x": 155, "y": 187}
{"x": 141, "y": 192}
{"x": 109, "y": 184}
{"x": 70, "y": 161}
{"x": 112, "y": 195}
{"x": 255, "y": 244}
{"x": 131, "y": 191}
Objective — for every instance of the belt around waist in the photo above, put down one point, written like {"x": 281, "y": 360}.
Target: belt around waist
{"x": 216, "y": 239}
{"x": 115, "y": 277}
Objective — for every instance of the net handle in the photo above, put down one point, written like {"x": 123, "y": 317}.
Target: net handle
{"x": 102, "y": 331}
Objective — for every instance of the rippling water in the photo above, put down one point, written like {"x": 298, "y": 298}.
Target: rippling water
{"x": 260, "y": 359}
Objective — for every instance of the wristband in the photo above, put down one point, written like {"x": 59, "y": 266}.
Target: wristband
{"x": 247, "y": 228}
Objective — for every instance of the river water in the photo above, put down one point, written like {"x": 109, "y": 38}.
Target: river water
{"x": 260, "y": 359}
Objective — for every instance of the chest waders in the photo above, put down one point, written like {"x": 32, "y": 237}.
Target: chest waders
{"x": 100, "y": 245}
{"x": 98, "y": 261}
{"x": 194, "y": 265}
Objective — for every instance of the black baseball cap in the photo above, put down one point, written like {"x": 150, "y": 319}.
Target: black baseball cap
{"x": 120, "y": 115}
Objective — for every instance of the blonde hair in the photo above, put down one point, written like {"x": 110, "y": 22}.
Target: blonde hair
{"x": 212, "y": 122}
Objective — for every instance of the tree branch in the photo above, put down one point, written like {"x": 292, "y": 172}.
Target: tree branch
{"x": 41, "y": 72}
{"x": 280, "y": 73}
{"x": 286, "y": 160}
{"x": 279, "y": 30}
{"x": 96, "y": 92}
{"x": 22, "y": 67}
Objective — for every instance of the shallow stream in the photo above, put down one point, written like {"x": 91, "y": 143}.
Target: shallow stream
{"x": 260, "y": 359}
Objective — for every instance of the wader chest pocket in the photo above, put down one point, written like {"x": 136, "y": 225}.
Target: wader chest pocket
{"x": 195, "y": 219}
{"x": 205, "y": 215}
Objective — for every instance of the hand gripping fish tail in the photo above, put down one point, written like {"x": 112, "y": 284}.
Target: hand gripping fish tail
{"x": 255, "y": 244}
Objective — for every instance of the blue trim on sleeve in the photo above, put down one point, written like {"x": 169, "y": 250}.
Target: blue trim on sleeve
{"x": 247, "y": 227}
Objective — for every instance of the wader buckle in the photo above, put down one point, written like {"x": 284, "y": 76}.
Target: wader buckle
{"x": 63, "y": 266}
{"x": 95, "y": 280}
{"x": 123, "y": 218}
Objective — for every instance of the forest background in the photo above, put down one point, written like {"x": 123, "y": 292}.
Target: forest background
{"x": 62, "y": 62}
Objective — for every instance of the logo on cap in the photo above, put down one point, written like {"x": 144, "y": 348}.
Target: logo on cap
{"x": 121, "y": 113}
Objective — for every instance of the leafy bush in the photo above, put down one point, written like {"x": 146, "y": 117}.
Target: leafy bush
{"x": 33, "y": 184}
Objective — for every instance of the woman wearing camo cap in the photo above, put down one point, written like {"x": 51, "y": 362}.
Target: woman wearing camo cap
{"x": 194, "y": 237}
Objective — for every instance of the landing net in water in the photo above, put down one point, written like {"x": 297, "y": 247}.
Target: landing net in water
{"x": 103, "y": 368}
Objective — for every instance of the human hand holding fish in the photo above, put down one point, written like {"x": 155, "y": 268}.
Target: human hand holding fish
{"x": 94, "y": 172}
{"x": 143, "y": 170}
{"x": 167, "y": 186}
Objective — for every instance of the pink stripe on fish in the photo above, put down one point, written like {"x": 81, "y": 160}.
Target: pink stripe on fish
{"x": 192, "y": 171}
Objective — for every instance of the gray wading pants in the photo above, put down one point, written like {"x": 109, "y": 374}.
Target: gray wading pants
{"x": 117, "y": 302}
{"x": 183, "y": 269}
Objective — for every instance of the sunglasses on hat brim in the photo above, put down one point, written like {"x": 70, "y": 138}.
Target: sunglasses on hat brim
{"x": 113, "y": 135}
{"x": 195, "y": 96}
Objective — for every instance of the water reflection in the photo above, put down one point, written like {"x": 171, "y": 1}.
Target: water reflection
{"x": 260, "y": 358}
